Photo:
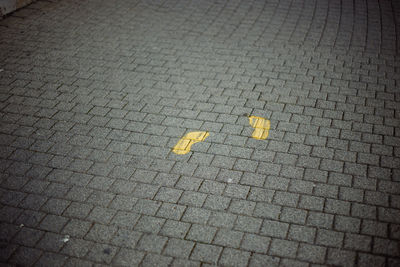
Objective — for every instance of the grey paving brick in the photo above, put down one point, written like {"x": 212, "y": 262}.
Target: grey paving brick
{"x": 101, "y": 253}
{"x": 28, "y": 236}
{"x": 176, "y": 229}
{"x": 366, "y": 259}
{"x": 151, "y": 243}
{"x": 168, "y": 195}
{"x": 52, "y": 259}
{"x": 312, "y": 253}
{"x": 128, "y": 257}
{"x": 286, "y": 199}
{"x": 53, "y": 223}
{"x": 357, "y": 242}
{"x": 234, "y": 257}
{"x": 51, "y": 242}
{"x": 236, "y": 191}
{"x": 201, "y": 233}
{"x": 350, "y": 194}
{"x": 182, "y": 262}
{"x": 101, "y": 215}
{"x": 29, "y": 218}
{"x": 330, "y": 238}
{"x": 189, "y": 183}
{"x": 341, "y": 257}
{"x": 77, "y": 247}
{"x": 302, "y": 233}
{"x": 196, "y": 215}
{"x": 25, "y": 256}
{"x": 263, "y": 260}
{"x": 126, "y": 238}
{"x": 217, "y": 202}
{"x": 206, "y": 253}
{"x": 384, "y": 246}
{"x": 243, "y": 207}
{"x": 76, "y": 228}
{"x": 178, "y": 248}
{"x": 274, "y": 229}
{"x": 222, "y": 219}
{"x": 347, "y": 224}
{"x": 101, "y": 233}
{"x": 293, "y": 215}
{"x": 228, "y": 238}
{"x": 149, "y": 224}
{"x": 283, "y": 248}
{"x": 212, "y": 187}
{"x": 255, "y": 243}
{"x": 171, "y": 211}
{"x": 78, "y": 210}
{"x": 248, "y": 224}
{"x": 321, "y": 220}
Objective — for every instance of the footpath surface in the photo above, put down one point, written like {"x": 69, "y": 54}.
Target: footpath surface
{"x": 95, "y": 96}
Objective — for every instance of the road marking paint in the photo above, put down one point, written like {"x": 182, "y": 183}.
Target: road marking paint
{"x": 185, "y": 143}
{"x": 261, "y": 127}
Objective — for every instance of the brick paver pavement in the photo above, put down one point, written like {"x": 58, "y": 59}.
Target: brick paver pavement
{"x": 95, "y": 94}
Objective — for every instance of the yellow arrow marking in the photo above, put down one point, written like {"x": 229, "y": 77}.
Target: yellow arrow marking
{"x": 185, "y": 143}
{"x": 261, "y": 127}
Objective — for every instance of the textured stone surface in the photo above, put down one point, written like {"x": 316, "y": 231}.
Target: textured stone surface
{"x": 95, "y": 94}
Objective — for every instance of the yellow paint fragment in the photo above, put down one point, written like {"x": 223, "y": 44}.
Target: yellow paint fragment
{"x": 261, "y": 127}
{"x": 185, "y": 143}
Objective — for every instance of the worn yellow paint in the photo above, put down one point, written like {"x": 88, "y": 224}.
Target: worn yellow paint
{"x": 261, "y": 127}
{"x": 185, "y": 143}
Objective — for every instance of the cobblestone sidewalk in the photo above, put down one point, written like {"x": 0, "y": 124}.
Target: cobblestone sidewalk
{"x": 95, "y": 94}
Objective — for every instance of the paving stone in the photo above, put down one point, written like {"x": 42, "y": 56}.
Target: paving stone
{"x": 312, "y": 253}
{"x": 234, "y": 257}
{"x": 149, "y": 224}
{"x": 283, "y": 248}
{"x": 53, "y": 223}
{"x": 263, "y": 260}
{"x": 87, "y": 133}
{"x": 206, "y": 253}
{"x": 25, "y": 256}
{"x": 302, "y": 233}
{"x": 201, "y": 233}
{"x": 243, "y": 207}
{"x": 128, "y": 257}
{"x": 357, "y": 242}
{"x": 274, "y": 228}
{"x": 176, "y": 229}
{"x": 222, "y": 219}
{"x": 217, "y": 202}
{"x": 101, "y": 215}
{"x": 178, "y": 248}
{"x": 228, "y": 238}
{"x": 76, "y": 228}
{"x": 255, "y": 243}
{"x": 320, "y": 220}
{"x": 330, "y": 238}
{"x": 101, "y": 253}
{"x": 77, "y": 247}
{"x": 28, "y": 236}
{"x": 196, "y": 215}
{"x": 366, "y": 259}
{"x": 384, "y": 246}
{"x": 151, "y": 243}
{"x": 347, "y": 224}
{"x": 52, "y": 259}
